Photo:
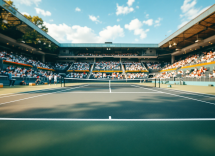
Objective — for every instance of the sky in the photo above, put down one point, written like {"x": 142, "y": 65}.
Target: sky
{"x": 117, "y": 21}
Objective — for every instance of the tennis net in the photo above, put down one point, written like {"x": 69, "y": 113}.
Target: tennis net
{"x": 106, "y": 83}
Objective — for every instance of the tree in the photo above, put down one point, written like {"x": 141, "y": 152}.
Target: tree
{"x": 11, "y": 4}
{"x": 37, "y": 21}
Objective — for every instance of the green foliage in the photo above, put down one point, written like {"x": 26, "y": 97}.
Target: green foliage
{"x": 31, "y": 36}
{"x": 11, "y": 3}
{"x": 37, "y": 21}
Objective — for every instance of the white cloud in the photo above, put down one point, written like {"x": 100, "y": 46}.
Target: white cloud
{"x": 147, "y": 15}
{"x": 169, "y": 31}
{"x": 157, "y": 22}
{"x": 136, "y": 26}
{"x": 137, "y": 7}
{"x": 187, "y": 6}
{"x": 43, "y": 12}
{"x": 189, "y": 11}
{"x": 25, "y": 13}
{"x": 28, "y": 2}
{"x": 130, "y": 2}
{"x": 51, "y": 20}
{"x": 136, "y": 40}
{"x": 149, "y": 22}
{"x": 118, "y": 20}
{"x": 78, "y": 34}
{"x": 182, "y": 24}
{"x": 94, "y": 19}
{"x": 123, "y": 10}
{"x": 111, "y": 33}
{"x": 77, "y": 9}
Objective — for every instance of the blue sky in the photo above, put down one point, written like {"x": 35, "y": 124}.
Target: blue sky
{"x": 117, "y": 21}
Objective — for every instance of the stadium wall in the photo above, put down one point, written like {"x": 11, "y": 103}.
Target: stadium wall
{"x": 194, "y": 83}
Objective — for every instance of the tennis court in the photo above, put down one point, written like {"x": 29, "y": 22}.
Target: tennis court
{"x": 107, "y": 118}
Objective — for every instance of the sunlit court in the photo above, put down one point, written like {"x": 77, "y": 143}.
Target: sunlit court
{"x": 106, "y": 78}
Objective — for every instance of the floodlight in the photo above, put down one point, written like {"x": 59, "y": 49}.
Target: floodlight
{"x": 5, "y": 21}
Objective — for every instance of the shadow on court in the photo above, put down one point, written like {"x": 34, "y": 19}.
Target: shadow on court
{"x": 102, "y": 106}
{"x": 24, "y": 138}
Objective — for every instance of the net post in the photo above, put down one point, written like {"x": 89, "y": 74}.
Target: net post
{"x": 64, "y": 81}
{"x": 109, "y": 84}
{"x": 159, "y": 83}
{"x": 61, "y": 81}
{"x": 155, "y": 83}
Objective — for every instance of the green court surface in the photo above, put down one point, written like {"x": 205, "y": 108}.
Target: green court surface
{"x": 107, "y": 138}
{"x": 103, "y": 119}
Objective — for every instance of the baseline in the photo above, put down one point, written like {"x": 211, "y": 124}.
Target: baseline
{"x": 110, "y": 119}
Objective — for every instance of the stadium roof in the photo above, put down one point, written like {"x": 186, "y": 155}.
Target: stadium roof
{"x": 14, "y": 15}
{"x": 200, "y": 28}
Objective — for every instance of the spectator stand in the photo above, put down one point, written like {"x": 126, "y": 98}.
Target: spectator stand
{"x": 78, "y": 70}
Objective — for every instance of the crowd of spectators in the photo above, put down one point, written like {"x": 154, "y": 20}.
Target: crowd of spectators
{"x": 134, "y": 66}
{"x": 136, "y": 75}
{"x": 212, "y": 75}
{"x": 183, "y": 62}
{"x": 196, "y": 73}
{"x": 121, "y": 54}
{"x": 194, "y": 59}
{"x": 153, "y": 65}
{"x": 19, "y": 72}
{"x": 107, "y": 65}
{"x": 105, "y": 75}
{"x": 80, "y": 66}
{"x": 61, "y": 66}
{"x": 207, "y": 57}
{"x": 22, "y": 59}
{"x": 166, "y": 75}
{"x": 77, "y": 75}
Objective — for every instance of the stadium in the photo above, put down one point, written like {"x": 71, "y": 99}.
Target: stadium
{"x": 106, "y": 98}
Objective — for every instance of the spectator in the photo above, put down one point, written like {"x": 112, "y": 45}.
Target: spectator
{"x": 50, "y": 79}
{"x": 11, "y": 80}
{"x": 55, "y": 79}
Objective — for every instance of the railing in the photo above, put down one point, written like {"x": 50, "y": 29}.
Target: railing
{"x": 190, "y": 79}
{"x": 123, "y": 70}
{"x": 91, "y": 70}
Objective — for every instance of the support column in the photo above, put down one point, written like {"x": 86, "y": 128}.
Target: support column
{"x": 94, "y": 59}
{"x": 120, "y": 60}
{"x": 172, "y": 59}
{"x": 43, "y": 58}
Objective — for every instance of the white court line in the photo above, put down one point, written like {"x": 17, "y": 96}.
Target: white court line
{"x": 155, "y": 91}
{"x": 38, "y": 96}
{"x": 191, "y": 93}
{"x": 114, "y": 92}
{"x": 109, "y": 86}
{"x": 63, "y": 119}
{"x": 29, "y": 92}
{"x": 181, "y": 96}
